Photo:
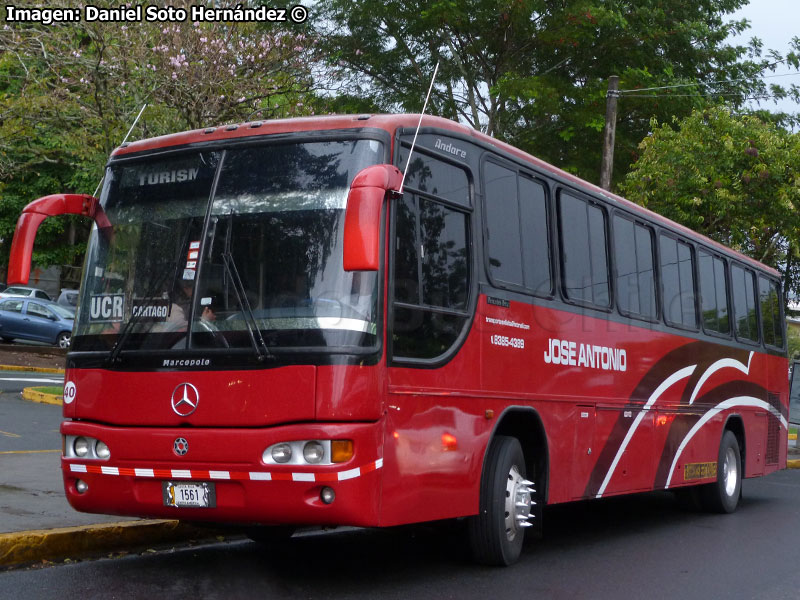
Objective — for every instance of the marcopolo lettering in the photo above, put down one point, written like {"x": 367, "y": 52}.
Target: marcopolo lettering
{"x": 107, "y": 307}
{"x": 450, "y": 148}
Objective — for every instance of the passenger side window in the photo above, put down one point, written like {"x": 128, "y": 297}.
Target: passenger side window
{"x": 38, "y": 310}
{"x": 583, "y": 251}
{"x": 713, "y": 293}
{"x": 677, "y": 283}
{"x": 744, "y": 303}
{"x": 633, "y": 257}
{"x": 12, "y": 306}
{"x": 431, "y": 273}
{"x": 518, "y": 240}
{"x": 771, "y": 321}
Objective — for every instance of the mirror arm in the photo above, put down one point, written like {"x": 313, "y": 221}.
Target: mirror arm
{"x": 19, "y": 263}
{"x": 362, "y": 223}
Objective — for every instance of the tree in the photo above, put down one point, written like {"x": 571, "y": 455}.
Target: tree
{"x": 733, "y": 178}
{"x": 69, "y": 92}
{"x": 534, "y": 72}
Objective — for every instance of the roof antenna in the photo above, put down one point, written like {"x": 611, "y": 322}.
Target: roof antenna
{"x": 414, "y": 141}
{"x": 135, "y": 121}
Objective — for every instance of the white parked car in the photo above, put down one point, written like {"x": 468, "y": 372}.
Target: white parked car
{"x": 26, "y": 292}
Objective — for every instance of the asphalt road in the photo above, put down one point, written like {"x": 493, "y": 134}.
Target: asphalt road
{"x": 634, "y": 547}
{"x": 27, "y": 426}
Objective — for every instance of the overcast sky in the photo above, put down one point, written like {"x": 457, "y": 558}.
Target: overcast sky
{"x": 775, "y": 22}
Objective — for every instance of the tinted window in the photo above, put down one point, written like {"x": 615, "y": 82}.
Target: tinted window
{"x": 771, "y": 322}
{"x": 406, "y": 252}
{"x": 677, "y": 280}
{"x": 436, "y": 177}
{"x": 713, "y": 293}
{"x": 633, "y": 255}
{"x": 535, "y": 236}
{"x": 40, "y": 294}
{"x": 583, "y": 250}
{"x": 503, "y": 224}
{"x": 431, "y": 269}
{"x": 744, "y": 303}
{"x": 443, "y": 243}
{"x": 518, "y": 245}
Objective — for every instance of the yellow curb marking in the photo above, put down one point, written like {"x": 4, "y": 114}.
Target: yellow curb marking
{"x": 31, "y": 369}
{"x": 27, "y": 451}
{"x": 793, "y": 464}
{"x": 36, "y": 545}
{"x": 9, "y": 434}
{"x": 42, "y": 397}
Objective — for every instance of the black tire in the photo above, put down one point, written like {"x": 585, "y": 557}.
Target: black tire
{"x": 8, "y": 340}
{"x": 494, "y": 535}
{"x": 269, "y": 535}
{"x": 723, "y": 495}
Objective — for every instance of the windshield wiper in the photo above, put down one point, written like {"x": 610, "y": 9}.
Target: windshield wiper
{"x": 253, "y": 330}
{"x": 156, "y": 284}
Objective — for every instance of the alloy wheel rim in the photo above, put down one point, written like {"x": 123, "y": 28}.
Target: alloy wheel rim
{"x": 730, "y": 473}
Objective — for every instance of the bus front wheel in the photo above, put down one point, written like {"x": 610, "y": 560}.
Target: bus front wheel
{"x": 496, "y": 533}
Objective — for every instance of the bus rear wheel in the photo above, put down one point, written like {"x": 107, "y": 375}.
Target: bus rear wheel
{"x": 496, "y": 533}
{"x": 722, "y": 496}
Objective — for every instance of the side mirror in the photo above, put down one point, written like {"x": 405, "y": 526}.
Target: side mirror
{"x": 19, "y": 262}
{"x": 362, "y": 221}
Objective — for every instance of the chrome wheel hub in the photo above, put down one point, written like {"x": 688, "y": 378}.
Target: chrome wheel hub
{"x": 518, "y": 503}
{"x": 730, "y": 472}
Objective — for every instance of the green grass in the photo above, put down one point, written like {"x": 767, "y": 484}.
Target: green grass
{"x": 50, "y": 389}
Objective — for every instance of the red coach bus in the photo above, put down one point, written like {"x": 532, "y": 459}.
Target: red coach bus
{"x": 273, "y": 330}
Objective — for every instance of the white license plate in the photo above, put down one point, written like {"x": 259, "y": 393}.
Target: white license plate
{"x": 189, "y": 494}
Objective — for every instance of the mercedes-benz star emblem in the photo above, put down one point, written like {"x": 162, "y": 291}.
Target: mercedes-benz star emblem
{"x": 180, "y": 447}
{"x": 185, "y": 399}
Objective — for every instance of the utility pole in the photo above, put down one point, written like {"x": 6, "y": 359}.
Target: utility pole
{"x": 608, "y": 133}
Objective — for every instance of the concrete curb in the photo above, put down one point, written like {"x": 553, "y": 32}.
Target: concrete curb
{"x": 31, "y": 369}
{"x": 78, "y": 542}
{"x": 42, "y": 397}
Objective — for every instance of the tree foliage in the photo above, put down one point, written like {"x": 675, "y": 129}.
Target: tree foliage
{"x": 69, "y": 93}
{"x": 534, "y": 72}
{"x": 733, "y": 178}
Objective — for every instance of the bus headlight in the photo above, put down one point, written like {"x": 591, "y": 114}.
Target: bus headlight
{"x": 101, "y": 450}
{"x": 282, "y": 453}
{"x": 308, "y": 452}
{"x": 313, "y": 452}
{"x": 81, "y": 447}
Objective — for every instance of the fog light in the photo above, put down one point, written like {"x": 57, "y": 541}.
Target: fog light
{"x": 327, "y": 495}
{"x": 282, "y": 453}
{"x": 101, "y": 450}
{"x": 313, "y": 452}
{"x": 81, "y": 447}
{"x": 81, "y": 486}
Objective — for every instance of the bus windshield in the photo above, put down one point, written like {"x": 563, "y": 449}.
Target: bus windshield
{"x": 237, "y": 249}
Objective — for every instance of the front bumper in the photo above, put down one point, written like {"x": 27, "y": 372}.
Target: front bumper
{"x": 247, "y": 490}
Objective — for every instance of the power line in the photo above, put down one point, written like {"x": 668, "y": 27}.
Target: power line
{"x": 680, "y": 85}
